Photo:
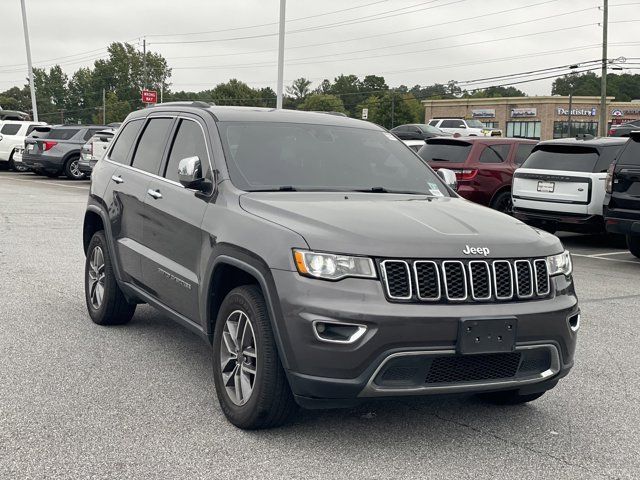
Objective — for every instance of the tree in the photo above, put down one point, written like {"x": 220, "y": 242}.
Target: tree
{"x": 493, "y": 92}
{"x": 393, "y": 108}
{"x": 584, "y": 84}
{"x": 299, "y": 89}
{"x": 322, "y": 103}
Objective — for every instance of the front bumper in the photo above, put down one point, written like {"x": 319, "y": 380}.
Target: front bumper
{"x": 333, "y": 374}
{"x": 577, "y": 223}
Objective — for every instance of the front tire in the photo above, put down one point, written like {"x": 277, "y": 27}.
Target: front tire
{"x": 503, "y": 203}
{"x": 106, "y": 303}
{"x": 509, "y": 397}
{"x": 250, "y": 382}
{"x": 633, "y": 242}
{"x": 72, "y": 169}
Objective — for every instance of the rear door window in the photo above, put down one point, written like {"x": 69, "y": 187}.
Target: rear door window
{"x": 62, "y": 133}
{"x": 452, "y": 124}
{"x": 495, "y": 153}
{"x": 563, "y": 157}
{"x": 10, "y": 129}
{"x": 445, "y": 151}
{"x": 120, "y": 151}
{"x": 148, "y": 155}
{"x": 522, "y": 152}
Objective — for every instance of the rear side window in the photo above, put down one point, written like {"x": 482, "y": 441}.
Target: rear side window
{"x": 563, "y": 157}
{"x": 452, "y": 124}
{"x": 189, "y": 142}
{"x": 454, "y": 152}
{"x": 10, "y": 128}
{"x": 151, "y": 145}
{"x": 121, "y": 148}
{"x": 495, "y": 154}
{"x": 433, "y": 123}
{"x": 31, "y": 128}
{"x": 522, "y": 152}
{"x": 631, "y": 153}
{"x": 90, "y": 133}
{"x": 607, "y": 156}
{"x": 62, "y": 133}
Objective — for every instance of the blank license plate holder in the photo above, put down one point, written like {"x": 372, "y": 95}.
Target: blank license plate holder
{"x": 486, "y": 335}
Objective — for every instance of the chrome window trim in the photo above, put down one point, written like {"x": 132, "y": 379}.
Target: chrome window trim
{"x": 415, "y": 273}
{"x": 373, "y": 390}
{"x": 535, "y": 272}
{"x": 495, "y": 279}
{"x": 383, "y": 270}
{"x": 489, "y": 279}
{"x": 531, "y": 279}
{"x": 153, "y": 175}
{"x": 446, "y": 283}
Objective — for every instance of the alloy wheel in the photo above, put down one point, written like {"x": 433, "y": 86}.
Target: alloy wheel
{"x": 96, "y": 277}
{"x": 238, "y": 357}
{"x": 75, "y": 169}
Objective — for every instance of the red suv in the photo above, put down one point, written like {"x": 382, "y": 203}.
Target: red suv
{"x": 484, "y": 165}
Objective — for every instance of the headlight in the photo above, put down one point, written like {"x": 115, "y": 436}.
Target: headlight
{"x": 561, "y": 263}
{"x": 331, "y": 266}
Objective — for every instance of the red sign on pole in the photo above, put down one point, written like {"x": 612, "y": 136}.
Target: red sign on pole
{"x": 149, "y": 96}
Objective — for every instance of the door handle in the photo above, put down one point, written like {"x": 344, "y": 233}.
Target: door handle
{"x": 154, "y": 193}
{"x": 117, "y": 179}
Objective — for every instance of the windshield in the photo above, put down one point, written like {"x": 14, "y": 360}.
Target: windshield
{"x": 292, "y": 156}
{"x": 475, "y": 124}
{"x": 445, "y": 151}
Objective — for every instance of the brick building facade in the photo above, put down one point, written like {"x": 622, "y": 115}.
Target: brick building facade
{"x": 534, "y": 117}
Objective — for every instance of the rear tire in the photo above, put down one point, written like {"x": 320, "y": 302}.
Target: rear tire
{"x": 503, "y": 203}
{"x": 633, "y": 242}
{"x": 106, "y": 303}
{"x": 250, "y": 382}
{"x": 71, "y": 169}
{"x": 509, "y": 397}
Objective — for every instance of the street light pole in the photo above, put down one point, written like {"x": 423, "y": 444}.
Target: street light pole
{"x": 571, "y": 86}
{"x": 283, "y": 7}
{"x": 34, "y": 106}
{"x": 603, "y": 80}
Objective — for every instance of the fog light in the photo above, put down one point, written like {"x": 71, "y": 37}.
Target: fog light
{"x": 574, "y": 322}
{"x": 338, "y": 332}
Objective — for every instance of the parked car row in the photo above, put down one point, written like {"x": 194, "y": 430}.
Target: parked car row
{"x": 53, "y": 150}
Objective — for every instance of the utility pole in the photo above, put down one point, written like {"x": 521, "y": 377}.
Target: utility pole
{"x": 144, "y": 62}
{"x": 571, "y": 87}
{"x": 393, "y": 108}
{"x": 283, "y": 6}
{"x": 603, "y": 80}
{"x": 34, "y": 106}
{"x": 104, "y": 108}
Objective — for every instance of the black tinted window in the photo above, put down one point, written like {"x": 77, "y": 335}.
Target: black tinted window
{"x": 452, "y": 124}
{"x": 263, "y": 156}
{"x": 121, "y": 148}
{"x": 522, "y": 152}
{"x": 90, "y": 133}
{"x": 444, "y": 151}
{"x": 148, "y": 155}
{"x": 10, "y": 128}
{"x": 189, "y": 142}
{"x": 62, "y": 133}
{"x": 495, "y": 154}
{"x": 607, "y": 156}
{"x": 631, "y": 153}
{"x": 561, "y": 157}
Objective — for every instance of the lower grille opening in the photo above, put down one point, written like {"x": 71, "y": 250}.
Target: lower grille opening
{"x": 471, "y": 368}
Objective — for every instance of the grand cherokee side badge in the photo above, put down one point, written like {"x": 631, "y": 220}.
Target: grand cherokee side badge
{"x": 475, "y": 250}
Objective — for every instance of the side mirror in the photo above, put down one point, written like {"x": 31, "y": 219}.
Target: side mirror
{"x": 449, "y": 178}
{"x": 190, "y": 172}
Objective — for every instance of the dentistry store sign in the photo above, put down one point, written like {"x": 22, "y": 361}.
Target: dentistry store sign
{"x": 578, "y": 112}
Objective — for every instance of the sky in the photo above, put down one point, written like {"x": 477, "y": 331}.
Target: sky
{"x": 407, "y": 41}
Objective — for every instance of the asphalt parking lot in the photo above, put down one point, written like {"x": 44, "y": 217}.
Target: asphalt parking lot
{"x": 82, "y": 401}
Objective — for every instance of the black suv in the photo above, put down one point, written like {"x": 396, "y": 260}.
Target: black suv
{"x": 622, "y": 202}
{"x": 625, "y": 129}
{"x": 324, "y": 261}
{"x": 55, "y": 150}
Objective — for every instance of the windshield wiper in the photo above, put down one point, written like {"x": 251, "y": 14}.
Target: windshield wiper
{"x": 283, "y": 188}
{"x": 385, "y": 190}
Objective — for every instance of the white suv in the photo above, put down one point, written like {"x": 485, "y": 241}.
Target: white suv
{"x": 12, "y": 135}
{"x": 464, "y": 127}
{"x": 561, "y": 185}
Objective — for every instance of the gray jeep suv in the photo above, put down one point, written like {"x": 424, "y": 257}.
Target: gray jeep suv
{"x": 323, "y": 260}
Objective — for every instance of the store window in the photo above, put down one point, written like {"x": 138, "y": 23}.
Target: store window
{"x": 561, "y": 129}
{"x": 491, "y": 124}
{"x": 524, "y": 130}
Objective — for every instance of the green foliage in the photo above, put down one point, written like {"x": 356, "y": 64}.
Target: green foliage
{"x": 494, "y": 92}
{"x": 300, "y": 88}
{"x": 321, "y": 102}
{"x": 624, "y": 87}
{"x": 393, "y": 108}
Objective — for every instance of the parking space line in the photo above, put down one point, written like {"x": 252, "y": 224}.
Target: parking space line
{"x": 610, "y": 253}
{"x": 636, "y": 262}
{"x": 44, "y": 182}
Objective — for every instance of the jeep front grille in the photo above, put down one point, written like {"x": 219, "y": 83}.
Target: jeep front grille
{"x": 465, "y": 281}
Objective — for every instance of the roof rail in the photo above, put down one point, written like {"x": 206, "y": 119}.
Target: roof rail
{"x": 584, "y": 136}
{"x": 185, "y": 103}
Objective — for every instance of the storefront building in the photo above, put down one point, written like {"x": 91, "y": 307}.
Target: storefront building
{"x": 540, "y": 118}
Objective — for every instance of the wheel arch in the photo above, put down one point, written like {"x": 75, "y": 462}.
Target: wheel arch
{"x": 499, "y": 191}
{"x": 231, "y": 268}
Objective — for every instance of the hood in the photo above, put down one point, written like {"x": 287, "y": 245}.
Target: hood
{"x": 393, "y": 225}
